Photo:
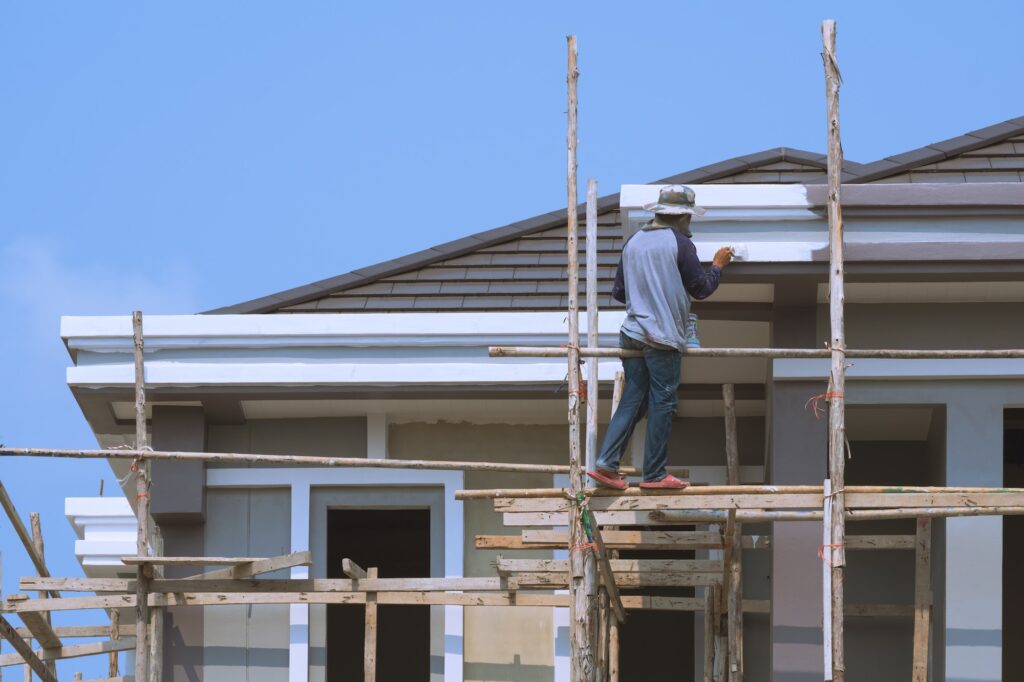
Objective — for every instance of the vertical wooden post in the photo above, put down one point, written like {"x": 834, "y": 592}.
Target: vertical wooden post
{"x": 721, "y": 641}
{"x": 837, "y": 386}
{"x": 593, "y": 386}
{"x": 582, "y": 583}
{"x": 37, "y": 541}
{"x": 115, "y": 634}
{"x": 709, "y": 634}
{"x": 142, "y": 469}
{"x": 370, "y": 632}
{"x": 922, "y": 599}
{"x": 156, "y": 617}
{"x": 613, "y": 651}
{"x": 592, "y": 328}
{"x": 734, "y": 536}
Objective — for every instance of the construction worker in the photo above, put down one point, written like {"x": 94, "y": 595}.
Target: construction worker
{"x": 658, "y": 274}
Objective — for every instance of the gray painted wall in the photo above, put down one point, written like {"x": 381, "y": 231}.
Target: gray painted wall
{"x": 247, "y": 643}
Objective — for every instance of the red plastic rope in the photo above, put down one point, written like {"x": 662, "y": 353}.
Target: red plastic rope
{"x": 821, "y": 550}
{"x": 814, "y": 402}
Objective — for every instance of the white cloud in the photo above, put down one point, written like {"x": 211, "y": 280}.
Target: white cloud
{"x": 41, "y": 281}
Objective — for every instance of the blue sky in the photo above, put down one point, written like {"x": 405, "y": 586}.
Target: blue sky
{"x": 177, "y": 157}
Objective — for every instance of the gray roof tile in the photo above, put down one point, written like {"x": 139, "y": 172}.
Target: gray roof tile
{"x": 530, "y": 254}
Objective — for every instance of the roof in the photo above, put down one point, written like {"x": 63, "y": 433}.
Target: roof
{"x": 522, "y": 265}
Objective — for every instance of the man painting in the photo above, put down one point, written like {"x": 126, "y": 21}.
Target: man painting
{"x": 658, "y": 274}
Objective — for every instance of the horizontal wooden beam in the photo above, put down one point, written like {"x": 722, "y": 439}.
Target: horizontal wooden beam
{"x": 258, "y": 567}
{"x": 82, "y": 631}
{"x": 879, "y": 542}
{"x": 352, "y": 569}
{"x": 623, "y": 579}
{"x": 74, "y": 651}
{"x": 617, "y": 565}
{"x": 187, "y": 561}
{"x": 497, "y": 598}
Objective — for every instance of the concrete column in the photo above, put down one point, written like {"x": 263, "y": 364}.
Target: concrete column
{"x": 377, "y": 435}
{"x": 974, "y": 546}
{"x": 179, "y": 507}
{"x": 799, "y": 449}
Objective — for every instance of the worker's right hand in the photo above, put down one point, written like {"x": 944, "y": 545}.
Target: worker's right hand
{"x": 722, "y": 257}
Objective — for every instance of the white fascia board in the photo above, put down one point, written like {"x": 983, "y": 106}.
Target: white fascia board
{"x": 393, "y": 373}
{"x": 887, "y": 369}
{"x": 354, "y": 329}
{"x": 324, "y": 349}
{"x": 733, "y": 202}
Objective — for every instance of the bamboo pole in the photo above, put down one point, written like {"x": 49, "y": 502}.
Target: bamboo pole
{"x": 922, "y": 599}
{"x": 763, "y": 516}
{"x": 592, "y": 325}
{"x": 582, "y": 585}
{"x": 837, "y": 383}
{"x": 115, "y": 634}
{"x": 734, "y": 542}
{"x": 37, "y": 541}
{"x": 613, "y": 651}
{"x": 709, "y": 633}
{"x": 142, "y": 486}
{"x": 791, "y": 353}
{"x": 604, "y": 614}
{"x": 156, "y": 616}
{"x": 293, "y": 460}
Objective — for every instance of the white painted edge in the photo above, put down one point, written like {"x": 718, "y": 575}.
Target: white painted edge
{"x": 715, "y": 196}
{"x": 342, "y": 327}
{"x": 793, "y": 369}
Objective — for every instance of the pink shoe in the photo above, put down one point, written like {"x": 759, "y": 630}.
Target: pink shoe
{"x": 608, "y": 479}
{"x": 670, "y": 482}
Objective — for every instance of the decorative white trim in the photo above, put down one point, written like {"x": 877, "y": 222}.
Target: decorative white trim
{"x": 107, "y": 531}
{"x": 867, "y": 369}
{"x": 733, "y": 202}
{"x": 301, "y": 481}
{"x": 114, "y": 332}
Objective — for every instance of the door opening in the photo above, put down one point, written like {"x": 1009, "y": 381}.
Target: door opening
{"x": 648, "y": 637}
{"x": 1013, "y": 550}
{"x": 397, "y": 542}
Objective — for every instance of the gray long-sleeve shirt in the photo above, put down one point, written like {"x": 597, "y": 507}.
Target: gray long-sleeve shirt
{"x": 658, "y": 273}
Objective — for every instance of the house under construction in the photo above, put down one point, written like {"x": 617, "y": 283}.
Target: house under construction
{"x": 367, "y": 477}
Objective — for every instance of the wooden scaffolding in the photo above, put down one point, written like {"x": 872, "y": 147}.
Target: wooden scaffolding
{"x": 592, "y": 525}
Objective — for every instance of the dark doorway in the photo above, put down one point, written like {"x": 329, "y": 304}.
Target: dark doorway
{"x": 657, "y": 645}
{"x": 397, "y": 542}
{"x": 1013, "y": 550}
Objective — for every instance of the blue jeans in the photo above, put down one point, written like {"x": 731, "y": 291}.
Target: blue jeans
{"x": 651, "y": 388}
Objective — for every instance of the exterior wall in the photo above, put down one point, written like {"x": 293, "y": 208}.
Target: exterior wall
{"x": 247, "y": 643}
{"x": 501, "y": 643}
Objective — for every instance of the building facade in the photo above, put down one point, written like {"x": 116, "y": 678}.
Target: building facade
{"x": 391, "y": 362}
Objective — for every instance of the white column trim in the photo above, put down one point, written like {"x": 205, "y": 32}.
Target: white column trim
{"x": 300, "y": 481}
{"x": 377, "y": 435}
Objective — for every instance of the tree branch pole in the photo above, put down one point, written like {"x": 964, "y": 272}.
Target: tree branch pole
{"x": 792, "y": 353}
{"x": 837, "y": 385}
{"x": 604, "y": 611}
{"x": 142, "y": 487}
{"x": 592, "y": 325}
{"x": 582, "y": 583}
